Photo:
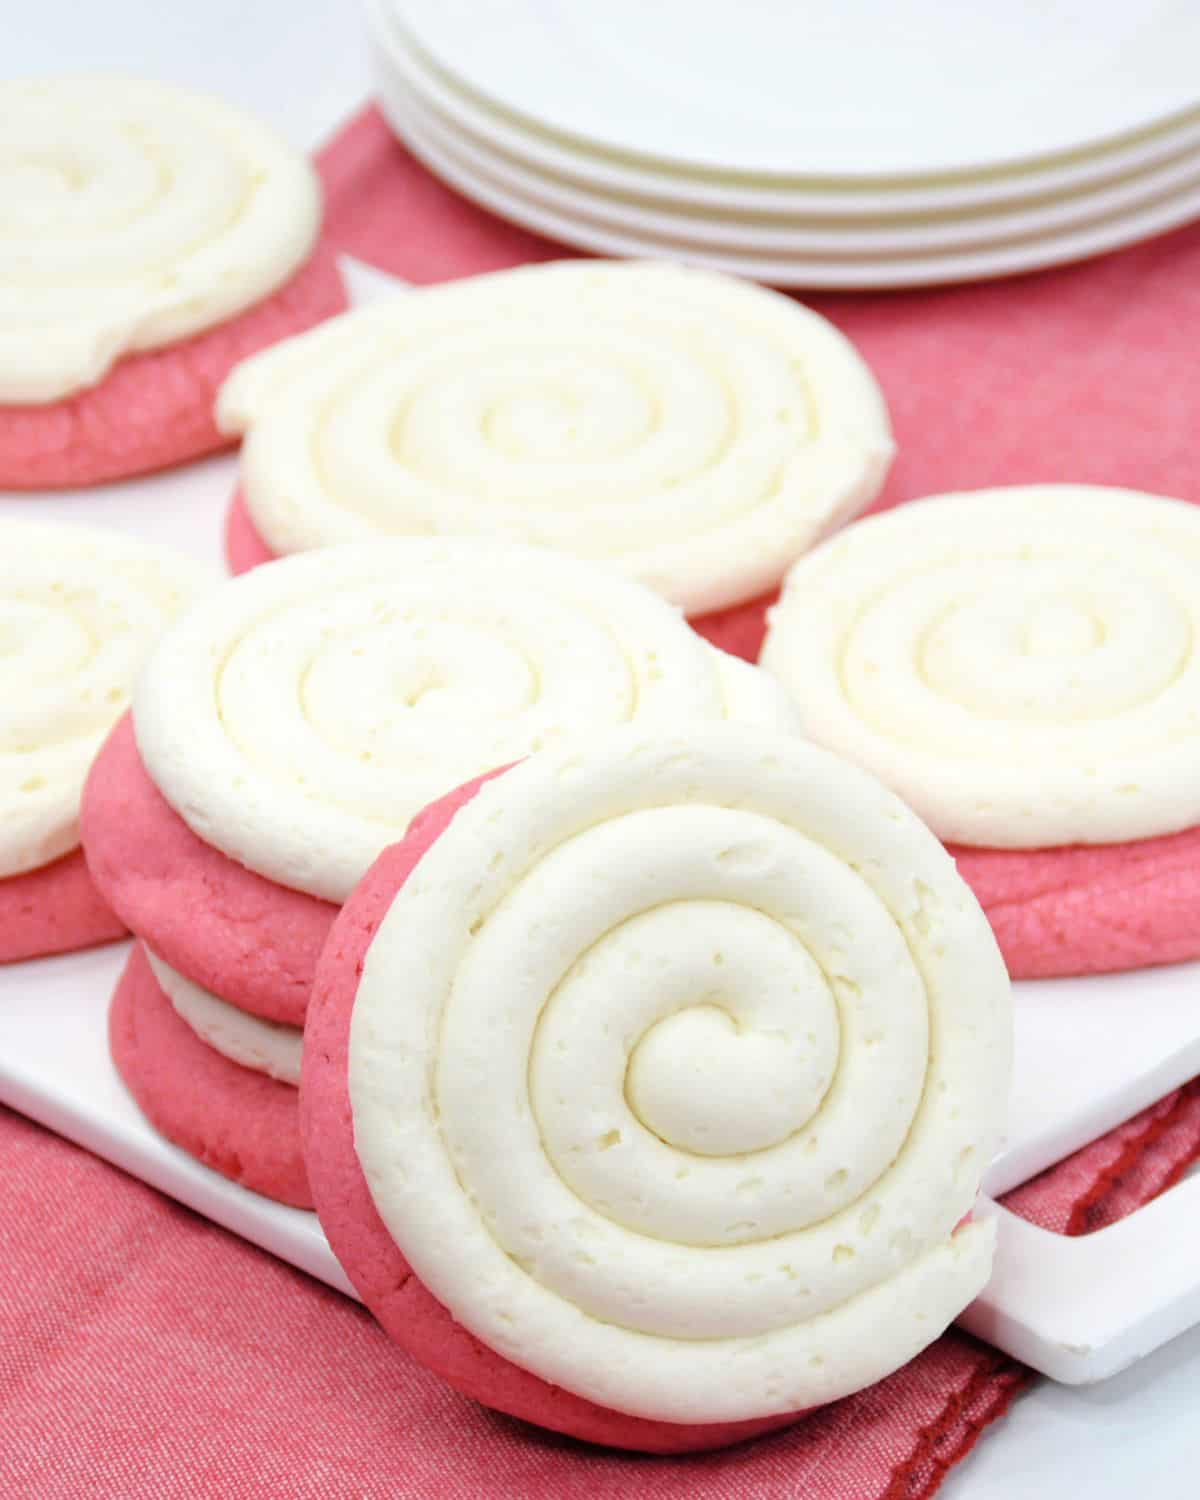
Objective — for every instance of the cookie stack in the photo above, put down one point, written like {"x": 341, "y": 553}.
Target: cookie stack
{"x": 285, "y": 733}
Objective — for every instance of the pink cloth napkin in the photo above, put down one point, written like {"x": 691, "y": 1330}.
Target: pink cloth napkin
{"x": 146, "y": 1353}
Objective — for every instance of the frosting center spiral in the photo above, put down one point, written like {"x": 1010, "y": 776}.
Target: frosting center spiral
{"x": 720, "y": 1077}
{"x": 701, "y": 1051}
{"x": 1014, "y": 643}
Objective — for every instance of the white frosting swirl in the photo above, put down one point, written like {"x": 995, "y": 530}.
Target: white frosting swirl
{"x": 268, "y": 1047}
{"x": 700, "y": 432}
{"x": 301, "y": 717}
{"x": 79, "y": 612}
{"x": 133, "y": 214}
{"x": 703, "y": 1048}
{"x": 1021, "y": 665}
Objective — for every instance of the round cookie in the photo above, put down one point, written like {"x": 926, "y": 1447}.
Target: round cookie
{"x": 164, "y": 237}
{"x": 665, "y": 1226}
{"x": 1020, "y": 665}
{"x": 79, "y": 612}
{"x": 696, "y": 431}
{"x": 739, "y": 630}
{"x": 234, "y": 1119}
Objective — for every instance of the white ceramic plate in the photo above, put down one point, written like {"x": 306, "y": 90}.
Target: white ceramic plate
{"x": 861, "y": 87}
{"x": 781, "y": 237}
{"x": 747, "y": 196}
{"x": 1176, "y": 208}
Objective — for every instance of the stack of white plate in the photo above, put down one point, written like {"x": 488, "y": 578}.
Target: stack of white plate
{"x": 833, "y": 143}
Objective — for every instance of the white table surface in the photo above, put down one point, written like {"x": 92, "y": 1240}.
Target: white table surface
{"x": 301, "y": 64}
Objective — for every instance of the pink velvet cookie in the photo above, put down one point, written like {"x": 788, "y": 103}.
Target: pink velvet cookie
{"x": 236, "y": 1120}
{"x": 164, "y": 237}
{"x": 1020, "y": 665}
{"x": 537, "y": 1065}
{"x": 695, "y": 431}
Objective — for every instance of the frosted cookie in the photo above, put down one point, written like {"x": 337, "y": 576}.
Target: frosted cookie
{"x": 288, "y": 729}
{"x": 79, "y": 612}
{"x": 1021, "y": 666}
{"x": 646, "y": 1094}
{"x": 697, "y": 431}
{"x": 152, "y": 238}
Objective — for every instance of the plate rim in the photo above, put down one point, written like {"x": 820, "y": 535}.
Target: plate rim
{"x": 863, "y": 274}
{"x": 728, "y": 233}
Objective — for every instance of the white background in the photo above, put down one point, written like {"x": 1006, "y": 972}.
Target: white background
{"x": 301, "y": 64}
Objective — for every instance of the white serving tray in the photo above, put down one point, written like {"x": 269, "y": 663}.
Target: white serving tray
{"x": 1089, "y": 1054}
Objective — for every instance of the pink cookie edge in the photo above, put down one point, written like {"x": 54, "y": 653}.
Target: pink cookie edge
{"x": 75, "y": 442}
{"x": 1090, "y": 909}
{"x": 740, "y": 629}
{"x": 245, "y": 938}
{"x": 54, "y": 909}
{"x": 244, "y": 545}
{"x": 407, "y": 1311}
{"x": 240, "y": 1123}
